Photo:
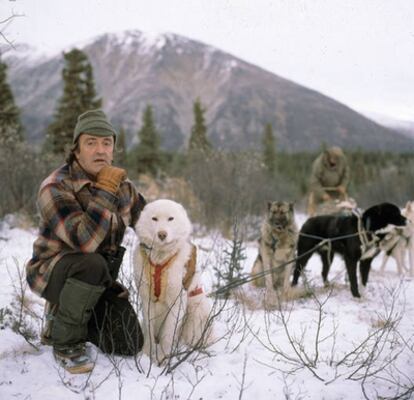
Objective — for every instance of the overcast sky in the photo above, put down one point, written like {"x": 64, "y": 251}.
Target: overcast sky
{"x": 360, "y": 52}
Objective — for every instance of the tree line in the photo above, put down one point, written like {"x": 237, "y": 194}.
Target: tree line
{"x": 229, "y": 185}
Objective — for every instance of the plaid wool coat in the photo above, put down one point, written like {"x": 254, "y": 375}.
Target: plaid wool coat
{"x": 77, "y": 217}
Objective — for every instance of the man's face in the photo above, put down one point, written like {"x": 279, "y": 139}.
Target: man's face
{"x": 331, "y": 159}
{"x": 94, "y": 152}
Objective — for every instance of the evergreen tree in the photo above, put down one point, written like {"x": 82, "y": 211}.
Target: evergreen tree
{"x": 11, "y": 132}
{"x": 148, "y": 156}
{"x": 269, "y": 150}
{"x": 79, "y": 95}
{"x": 231, "y": 270}
{"x": 120, "y": 156}
{"x": 198, "y": 139}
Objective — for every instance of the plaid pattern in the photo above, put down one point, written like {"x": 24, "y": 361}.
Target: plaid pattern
{"x": 77, "y": 217}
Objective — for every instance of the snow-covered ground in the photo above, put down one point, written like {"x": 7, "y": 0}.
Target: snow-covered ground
{"x": 326, "y": 346}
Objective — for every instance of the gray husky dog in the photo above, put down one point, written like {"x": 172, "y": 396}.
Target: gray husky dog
{"x": 277, "y": 246}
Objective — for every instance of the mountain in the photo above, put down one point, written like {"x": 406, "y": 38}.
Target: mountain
{"x": 404, "y": 126}
{"x": 133, "y": 69}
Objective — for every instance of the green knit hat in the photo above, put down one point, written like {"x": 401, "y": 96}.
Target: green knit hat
{"x": 95, "y": 123}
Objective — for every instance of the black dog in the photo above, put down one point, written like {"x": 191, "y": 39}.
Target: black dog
{"x": 344, "y": 227}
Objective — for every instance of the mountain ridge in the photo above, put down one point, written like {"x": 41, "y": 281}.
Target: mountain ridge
{"x": 169, "y": 71}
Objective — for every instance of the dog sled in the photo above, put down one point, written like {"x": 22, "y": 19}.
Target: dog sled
{"x": 343, "y": 204}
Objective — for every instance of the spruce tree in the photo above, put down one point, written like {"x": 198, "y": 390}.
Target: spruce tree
{"x": 120, "y": 157}
{"x": 269, "y": 150}
{"x": 11, "y": 132}
{"x": 198, "y": 139}
{"x": 232, "y": 268}
{"x": 79, "y": 95}
{"x": 148, "y": 157}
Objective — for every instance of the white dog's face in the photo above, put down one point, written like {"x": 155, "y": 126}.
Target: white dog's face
{"x": 162, "y": 223}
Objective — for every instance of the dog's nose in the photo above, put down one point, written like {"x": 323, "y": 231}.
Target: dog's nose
{"x": 162, "y": 235}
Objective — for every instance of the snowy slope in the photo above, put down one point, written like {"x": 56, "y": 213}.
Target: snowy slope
{"x": 253, "y": 359}
{"x": 133, "y": 69}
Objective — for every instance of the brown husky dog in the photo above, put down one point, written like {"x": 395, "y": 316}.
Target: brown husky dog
{"x": 277, "y": 245}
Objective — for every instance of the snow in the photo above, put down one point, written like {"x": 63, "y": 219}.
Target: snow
{"x": 148, "y": 42}
{"x": 24, "y": 54}
{"x": 253, "y": 358}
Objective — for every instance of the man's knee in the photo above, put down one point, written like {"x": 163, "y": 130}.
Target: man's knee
{"x": 95, "y": 262}
{"x": 93, "y": 269}
{"x": 90, "y": 268}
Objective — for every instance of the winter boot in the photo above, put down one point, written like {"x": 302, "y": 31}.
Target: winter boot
{"x": 70, "y": 325}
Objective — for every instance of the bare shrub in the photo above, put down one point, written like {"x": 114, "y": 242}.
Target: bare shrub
{"x": 382, "y": 188}
{"x": 22, "y": 171}
{"x": 22, "y": 316}
{"x": 233, "y": 186}
{"x": 373, "y": 359}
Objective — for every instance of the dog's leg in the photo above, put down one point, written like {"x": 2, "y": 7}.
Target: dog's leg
{"x": 197, "y": 323}
{"x": 351, "y": 267}
{"x": 364, "y": 268}
{"x": 258, "y": 269}
{"x": 303, "y": 256}
{"x": 167, "y": 330}
{"x": 384, "y": 263}
{"x": 267, "y": 264}
{"x": 327, "y": 258}
{"x": 286, "y": 281}
{"x": 399, "y": 255}
{"x": 411, "y": 255}
{"x": 168, "y": 339}
{"x": 271, "y": 299}
{"x": 148, "y": 330}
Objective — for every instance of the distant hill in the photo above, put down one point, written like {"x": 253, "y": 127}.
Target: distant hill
{"x": 169, "y": 72}
{"x": 404, "y": 126}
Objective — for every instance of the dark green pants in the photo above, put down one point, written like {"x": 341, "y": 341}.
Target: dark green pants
{"x": 90, "y": 268}
{"x": 114, "y": 325}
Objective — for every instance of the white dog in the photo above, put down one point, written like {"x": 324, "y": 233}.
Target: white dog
{"x": 399, "y": 242}
{"x": 175, "y": 307}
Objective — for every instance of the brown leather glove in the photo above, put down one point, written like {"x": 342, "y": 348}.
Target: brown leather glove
{"x": 109, "y": 178}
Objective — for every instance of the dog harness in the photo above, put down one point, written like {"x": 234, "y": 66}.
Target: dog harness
{"x": 370, "y": 248}
{"x": 155, "y": 273}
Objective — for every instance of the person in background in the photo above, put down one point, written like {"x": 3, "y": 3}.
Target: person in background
{"x": 329, "y": 179}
